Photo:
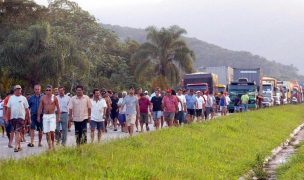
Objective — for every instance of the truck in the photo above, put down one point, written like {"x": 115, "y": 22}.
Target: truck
{"x": 269, "y": 91}
{"x": 241, "y": 87}
{"x": 224, "y": 73}
{"x": 284, "y": 90}
{"x": 296, "y": 92}
{"x": 200, "y": 81}
{"x": 252, "y": 74}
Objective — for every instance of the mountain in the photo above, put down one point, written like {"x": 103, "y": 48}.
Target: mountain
{"x": 212, "y": 55}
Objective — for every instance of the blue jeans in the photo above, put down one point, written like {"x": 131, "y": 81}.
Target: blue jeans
{"x": 245, "y": 107}
{"x": 63, "y": 123}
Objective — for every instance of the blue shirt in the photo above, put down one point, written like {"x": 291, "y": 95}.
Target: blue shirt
{"x": 190, "y": 101}
{"x": 34, "y": 102}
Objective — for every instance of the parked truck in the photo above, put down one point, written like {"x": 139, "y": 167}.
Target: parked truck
{"x": 252, "y": 74}
{"x": 296, "y": 92}
{"x": 200, "y": 81}
{"x": 224, "y": 73}
{"x": 241, "y": 87}
{"x": 269, "y": 91}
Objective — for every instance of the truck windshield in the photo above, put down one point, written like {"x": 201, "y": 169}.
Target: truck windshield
{"x": 242, "y": 88}
{"x": 267, "y": 88}
{"x": 199, "y": 87}
{"x": 221, "y": 89}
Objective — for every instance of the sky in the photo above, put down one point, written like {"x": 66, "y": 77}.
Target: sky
{"x": 273, "y": 29}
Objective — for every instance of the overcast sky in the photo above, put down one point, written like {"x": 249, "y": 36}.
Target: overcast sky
{"x": 270, "y": 28}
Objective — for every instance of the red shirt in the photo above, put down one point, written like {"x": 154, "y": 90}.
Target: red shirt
{"x": 143, "y": 104}
{"x": 170, "y": 103}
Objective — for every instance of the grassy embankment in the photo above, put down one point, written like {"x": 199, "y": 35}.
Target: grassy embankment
{"x": 294, "y": 169}
{"x": 222, "y": 149}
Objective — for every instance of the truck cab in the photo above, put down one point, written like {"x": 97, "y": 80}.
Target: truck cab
{"x": 240, "y": 88}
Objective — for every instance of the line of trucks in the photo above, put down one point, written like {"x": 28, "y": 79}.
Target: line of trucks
{"x": 262, "y": 91}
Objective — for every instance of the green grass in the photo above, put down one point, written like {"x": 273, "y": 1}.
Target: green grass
{"x": 226, "y": 148}
{"x": 294, "y": 169}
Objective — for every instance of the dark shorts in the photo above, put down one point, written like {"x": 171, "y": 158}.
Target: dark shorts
{"x": 122, "y": 118}
{"x": 199, "y": 112}
{"x": 144, "y": 118}
{"x": 18, "y": 124}
{"x": 35, "y": 124}
{"x": 8, "y": 127}
{"x": 99, "y": 125}
{"x": 191, "y": 112}
{"x": 114, "y": 115}
{"x": 180, "y": 116}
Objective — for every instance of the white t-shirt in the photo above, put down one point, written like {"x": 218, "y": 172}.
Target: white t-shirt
{"x": 17, "y": 104}
{"x": 200, "y": 101}
{"x": 182, "y": 100}
{"x": 122, "y": 110}
{"x": 98, "y": 109}
{"x": 228, "y": 100}
{"x": 1, "y": 109}
{"x": 209, "y": 101}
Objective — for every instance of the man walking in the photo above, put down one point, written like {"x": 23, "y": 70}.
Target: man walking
{"x": 170, "y": 105}
{"x": 157, "y": 108}
{"x": 144, "y": 105}
{"x": 63, "y": 101}
{"x": 49, "y": 103}
{"x": 18, "y": 109}
{"x": 245, "y": 100}
{"x": 34, "y": 102}
{"x": 98, "y": 115}
{"x": 191, "y": 103}
{"x": 132, "y": 110}
{"x": 180, "y": 116}
{"x": 79, "y": 112}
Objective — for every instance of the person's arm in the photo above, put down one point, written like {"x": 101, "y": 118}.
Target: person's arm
{"x": 70, "y": 107}
{"x": 58, "y": 109}
{"x": 41, "y": 105}
{"x": 89, "y": 108}
{"x": 137, "y": 109}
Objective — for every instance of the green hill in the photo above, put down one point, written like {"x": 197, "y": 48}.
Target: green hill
{"x": 212, "y": 55}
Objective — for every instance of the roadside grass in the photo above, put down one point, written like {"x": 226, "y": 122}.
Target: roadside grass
{"x": 225, "y": 148}
{"x": 294, "y": 169}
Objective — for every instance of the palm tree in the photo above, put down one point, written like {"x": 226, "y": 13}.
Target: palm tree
{"x": 167, "y": 53}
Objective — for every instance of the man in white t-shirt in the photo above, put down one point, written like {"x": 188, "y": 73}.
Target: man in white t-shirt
{"x": 182, "y": 108}
{"x": 98, "y": 112}
{"x": 200, "y": 105}
{"x": 209, "y": 105}
{"x": 122, "y": 111}
{"x": 18, "y": 108}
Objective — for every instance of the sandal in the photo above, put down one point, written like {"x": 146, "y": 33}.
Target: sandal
{"x": 16, "y": 150}
{"x": 30, "y": 145}
{"x": 19, "y": 149}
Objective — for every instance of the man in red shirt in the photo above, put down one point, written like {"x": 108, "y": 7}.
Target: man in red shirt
{"x": 170, "y": 106}
{"x": 144, "y": 104}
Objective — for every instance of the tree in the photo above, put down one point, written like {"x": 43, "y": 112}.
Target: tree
{"x": 166, "y": 53}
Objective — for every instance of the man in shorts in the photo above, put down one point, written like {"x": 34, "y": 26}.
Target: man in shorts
{"x": 209, "y": 105}
{"x": 34, "y": 102}
{"x": 191, "y": 103}
{"x": 157, "y": 108}
{"x": 18, "y": 109}
{"x": 114, "y": 111}
{"x": 200, "y": 105}
{"x": 144, "y": 105}
{"x": 170, "y": 106}
{"x": 98, "y": 114}
{"x": 132, "y": 110}
{"x": 48, "y": 105}
{"x": 122, "y": 111}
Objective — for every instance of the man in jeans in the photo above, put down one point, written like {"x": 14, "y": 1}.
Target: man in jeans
{"x": 79, "y": 112}
{"x": 63, "y": 122}
{"x": 34, "y": 102}
{"x": 132, "y": 110}
{"x": 18, "y": 109}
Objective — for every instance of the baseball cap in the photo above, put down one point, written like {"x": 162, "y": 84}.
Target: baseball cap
{"x": 146, "y": 92}
{"x": 17, "y": 87}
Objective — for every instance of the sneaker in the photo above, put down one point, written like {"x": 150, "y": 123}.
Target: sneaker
{"x": 10, "y": 146}
{"x": 30, "y": 145}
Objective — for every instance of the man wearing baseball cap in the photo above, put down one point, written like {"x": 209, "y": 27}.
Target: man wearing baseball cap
{"x": 170, "y": 106}
{"x": 18, "y": 109}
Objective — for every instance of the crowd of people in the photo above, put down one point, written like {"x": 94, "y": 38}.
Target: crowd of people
{"x": 54, "y": 112}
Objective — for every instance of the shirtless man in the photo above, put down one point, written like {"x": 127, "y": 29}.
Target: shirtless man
{"x": 48, "y": 104}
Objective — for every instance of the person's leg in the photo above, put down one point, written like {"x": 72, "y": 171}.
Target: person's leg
{"x": 32, "y": 129}
{"x": 93, "y": 126}
{"x": 57, "y": 131}
{"x": 99, "y": 129}
{"x": 142, "y": 121}
{"x": 52, "y": 134}
{"x": 64, "y": 124}
{"x": 77, "y": 126}
{"x": 84, "y": 131}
